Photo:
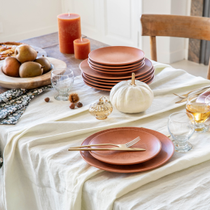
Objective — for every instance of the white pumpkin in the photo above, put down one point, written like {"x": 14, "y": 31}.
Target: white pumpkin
{"x": 131, "y": 97}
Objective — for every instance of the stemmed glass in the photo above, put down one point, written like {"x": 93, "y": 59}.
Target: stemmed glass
{"x": 62, "y": 80}
{"x": 200, "y": 109}
{"x": 181, "y": 129}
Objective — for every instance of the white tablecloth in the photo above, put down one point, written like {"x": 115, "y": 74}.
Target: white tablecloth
{"x": 40, "y": 174}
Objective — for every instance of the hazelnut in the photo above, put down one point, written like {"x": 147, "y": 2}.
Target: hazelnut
{"x": 79, "y": 104}
{"x": 72, "y": 106}
{"x": 47, "y": 99}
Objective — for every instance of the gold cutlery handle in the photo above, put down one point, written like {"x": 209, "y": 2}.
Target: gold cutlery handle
{"x": 92, "y": 145}
{"x": 106, "y": 149}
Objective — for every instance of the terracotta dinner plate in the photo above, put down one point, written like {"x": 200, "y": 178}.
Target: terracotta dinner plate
{"x": 201, "y": 98}
{"x": 121, "y": 73}
{"x": 122, "y": 136}
{"x": 84, "y": 67}
{"x": 96, "y": 87}
{"x": 106, "y": 88}
{"x": 116, "y": 68}
{"x": 95, "y": 79}
{"x": 116, "y": 55}
{"x": 110, "y": 85}
{"x": 162, "y": 157}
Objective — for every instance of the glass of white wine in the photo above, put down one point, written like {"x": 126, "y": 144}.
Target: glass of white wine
{"x": 62, "y": 80}
{"x": 200, "y": 109}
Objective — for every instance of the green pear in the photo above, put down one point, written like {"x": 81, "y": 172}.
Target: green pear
{"x": 11, "y": 67}
{"x": 30, "y": 69}
{"x": 45, "y": 63}
{"x": 25, "y": 53}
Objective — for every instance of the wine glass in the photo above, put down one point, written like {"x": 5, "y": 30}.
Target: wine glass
{"x": 62, "y": 80}
{"x": 200, "y": 109}
{"x": 181, "y": 129}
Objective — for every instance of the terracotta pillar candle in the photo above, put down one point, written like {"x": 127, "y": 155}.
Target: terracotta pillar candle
{"x": 69, "y": 29}
{"x": 81, "y": 48}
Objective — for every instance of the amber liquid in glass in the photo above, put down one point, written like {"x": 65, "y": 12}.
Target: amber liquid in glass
{"x": 200, "y": 111}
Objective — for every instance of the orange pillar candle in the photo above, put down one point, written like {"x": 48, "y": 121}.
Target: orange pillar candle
{"x": 69, "y": 29}
{"x": 81, "y": 48}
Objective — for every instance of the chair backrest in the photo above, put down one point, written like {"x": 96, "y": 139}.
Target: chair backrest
{"x": 174, "y": 26}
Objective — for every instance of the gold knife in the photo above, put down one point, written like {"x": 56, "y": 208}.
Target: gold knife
{"x": 107, "y": 149}
{"x": 181, "y": 101}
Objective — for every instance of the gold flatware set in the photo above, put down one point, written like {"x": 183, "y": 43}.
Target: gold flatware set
{"x": 116, "y": 147}
{"x": 184, "y": 96}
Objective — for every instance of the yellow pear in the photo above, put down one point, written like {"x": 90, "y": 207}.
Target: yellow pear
{"x": 45, "y": 63}
{"x": 11, "y": 67}
{"x": 30, "y": 69}
{"x": 25, "y": 53}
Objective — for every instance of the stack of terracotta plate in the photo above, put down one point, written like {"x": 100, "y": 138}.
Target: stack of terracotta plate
{"x": 159, "y": 149}
{"x": 107, "y": 66}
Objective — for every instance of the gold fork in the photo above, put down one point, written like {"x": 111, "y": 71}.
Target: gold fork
{"x": 122, "y": 147}
{"x": 200, "y": 90}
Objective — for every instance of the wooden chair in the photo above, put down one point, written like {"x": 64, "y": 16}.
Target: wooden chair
{"x": 175, "y": 26}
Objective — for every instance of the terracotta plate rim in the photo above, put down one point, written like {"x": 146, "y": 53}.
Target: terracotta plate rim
{"x": 164, "y": 155}
{"x": 118, "y": 72}
{"x": 201, "y": 97}
{"x": 111, "y": 85}
{"x": 116, "y": 68}
{"x": 152, "y": 70}
{"x": 99, "y": 55}
{"x": 100, "y": 155}
{"x": 109, "y": 89}
{"x": 84, "y": 67}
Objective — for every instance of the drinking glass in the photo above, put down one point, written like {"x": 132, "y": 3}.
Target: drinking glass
{"x": 181, "y": 129}
{"x": 62, "y": 80}
{"x": 200, "y": 109}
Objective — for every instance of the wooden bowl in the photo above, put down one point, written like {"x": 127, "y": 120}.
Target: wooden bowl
{"x": 30, "y": 82}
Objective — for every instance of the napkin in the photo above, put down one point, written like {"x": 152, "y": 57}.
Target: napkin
{"x": 14, "y": 102}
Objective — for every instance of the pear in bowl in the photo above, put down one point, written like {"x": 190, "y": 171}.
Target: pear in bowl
{"x": 25, "y": 53}
{"x": 45, "y": 64}
{"x": 30, "y": 69}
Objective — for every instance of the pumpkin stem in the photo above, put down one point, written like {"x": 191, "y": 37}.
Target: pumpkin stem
{"x": 133, "y": 79}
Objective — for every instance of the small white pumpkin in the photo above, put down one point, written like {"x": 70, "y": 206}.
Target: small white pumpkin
{"x": 131, "y": 96}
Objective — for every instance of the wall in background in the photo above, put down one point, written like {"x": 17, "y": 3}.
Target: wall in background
{"x": 25, "y": 19}
{"x": 169, "y": 50}
{"x": 115, "y": 22}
